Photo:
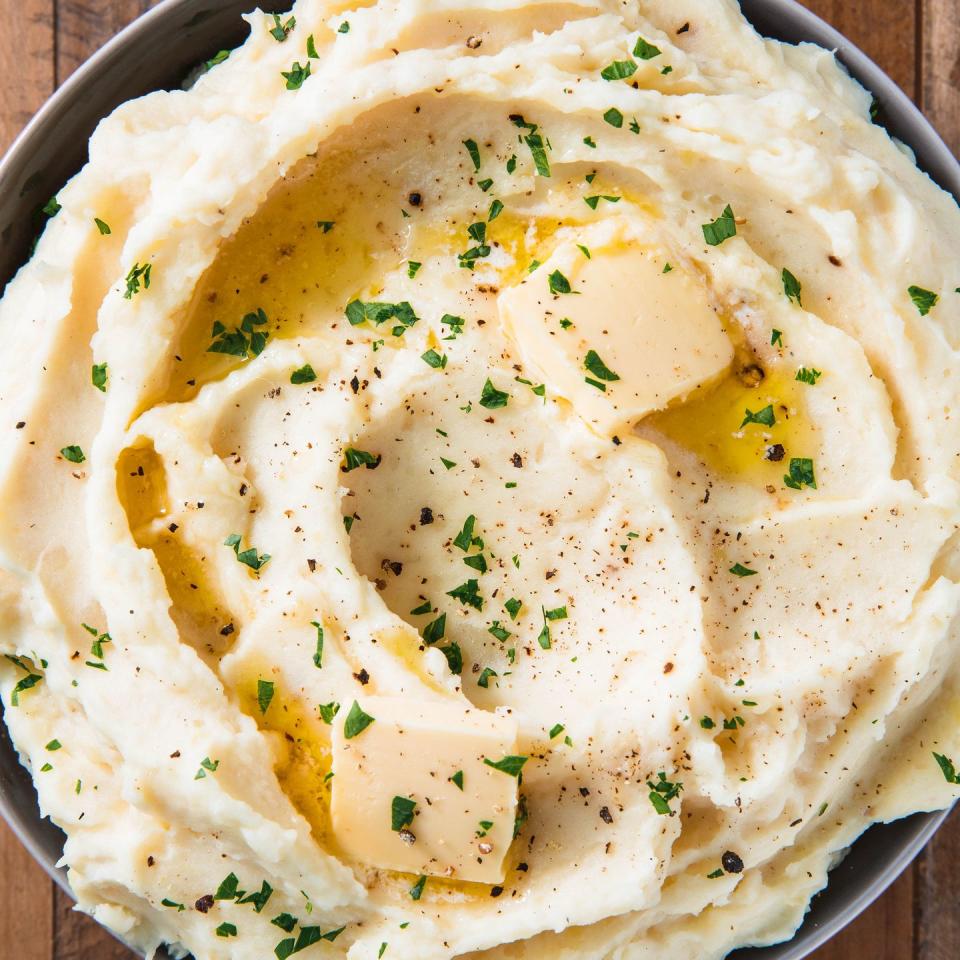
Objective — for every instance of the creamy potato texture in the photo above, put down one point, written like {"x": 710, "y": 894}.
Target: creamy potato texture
{"x": 482, "y": 480}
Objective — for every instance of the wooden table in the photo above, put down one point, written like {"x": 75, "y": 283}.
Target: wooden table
{"x": 916, "y": 41}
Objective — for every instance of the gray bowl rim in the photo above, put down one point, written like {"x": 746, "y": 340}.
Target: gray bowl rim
{"x": 898, "y": 843}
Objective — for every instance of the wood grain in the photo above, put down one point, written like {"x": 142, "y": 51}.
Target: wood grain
{"x": 916, "y": 41}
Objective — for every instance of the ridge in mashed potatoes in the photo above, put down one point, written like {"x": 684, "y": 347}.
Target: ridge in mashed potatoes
{"x": 498, "y": 489}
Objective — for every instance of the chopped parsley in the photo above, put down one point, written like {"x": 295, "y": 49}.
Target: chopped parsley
{"x": 179, "y": 907}
{"x": 467, "y": 593}
{"x": 378, "y": 313}
{"x": 325, "y": 225}
{"x": 614, "y": 117}
{"x": 509, "y": 765}
{"x": 312, "y": 48}
{"x": 357, "y": 721}
{"x": 594, "y": 365}
{"x": 318, "y": 655}
{"x": 434, "y": 631}
{"x": 103, "y": 227}
{"x": 247, "y": 557}
{"x": 776, "y": 338}
{"x": 242, "y": 341}
{"x": 801, "y": 474}
{"x": 207, "y": 765}
{"x": 449, "y": 464}
{"x": 512, "y": 606}
{"x": 457, "y": 780}
{"x": 474, "y": 152}
{"x": 492, "y": 398}
{"x": 947, "y": 767}
{"x": 662, "y": 792}
{"x": 707, "y": 723}
{"x": 645, "y": 50}
{"x": 98, "y": 376}
{"x": 51, "y": 208}
{"x": 454, "y": 657}
{"x": 219, "y": 57}
{"x": 496, "y": 208}
{"x": 791, "y": 287}
{"x": 433, "y": 359}
{"x": 328, "y": 711}
{"x": 558, "y": 283}
{"x": 304, "y": 374}
{"x": 556, "y": 730}
{"x": 808, "y": 375}
{"x": 619, "y": 70}
{"x": 265, "y": 690}
{"x": 723, "y": 228}
{"x": 53, "y": 746}
{"x": 344, "y": 27}
{"x": 413, "y": 268}
{"x": 485, "y": 677}
{"x": 25, "y": 683}
{"x": 226, "y": 930}
{"x": 716, "y": 874}
{"x": 923, "y": 300}
{"x": 512, "y": 164}
{"x": 281, "y": 31}
{"x": 764, "y": 417}
{"x": 354, "y": 459}
{"x": 416, "y": 891}
{"x": 592, "y": 202}
{"x": 296, "y": 75}
{"x": 539, "y": 153}
{"x": 485, "y": 185}
{"x": 739, "y": 570}
{"x": 402, "y": 810}
{"x": 497, "y": 630}
{"x": 590, "y": 142}
{"x": 73, "y": 453}
{"x": 138, "y": 275}
{"x": 259, "y": 899}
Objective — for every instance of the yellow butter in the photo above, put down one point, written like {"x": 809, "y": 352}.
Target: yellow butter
{"x": 418, "y": 751}
{"x": 654, "y": 331}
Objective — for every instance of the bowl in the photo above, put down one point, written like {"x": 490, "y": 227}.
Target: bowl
{"x": 53, "y": 147}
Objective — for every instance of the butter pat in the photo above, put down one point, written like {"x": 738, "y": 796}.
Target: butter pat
{"x": 655, "y": 334}
{"x": 419, "y": 768}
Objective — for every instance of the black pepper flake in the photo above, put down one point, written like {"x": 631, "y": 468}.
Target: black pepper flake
{"x": 407, "y": 837}
{"x": 684, "y": 29}
{"x": 605, "y": 815}
{"x": 173, "y": 528}
{"x": 150, "y": 861}
{"x": 473, "y": 43}
{"x": 775, "y": 453}
{"x": 836, "y": 261}
{"x": 355, "y": 384}
{"x": 312, "y": 564}
{"x": 204, "y": 904}
{"x": 731, "y": 862}
{"x": 584, "y": 792}
{"x": 394, "y": 566}
{"x": 363, "y": 678}
{"x": 227, "y": 630}
{"x": 751, "y": 375}
{"x": 21, "y": 424}
{"x": 523, "y": 867}
{"x": 517, "y": 460}
{"x": 617, "y": 441}
{"x": 496, "y": 891}
{"x": 426, "y": 516}
{"x": 415, "y": 199}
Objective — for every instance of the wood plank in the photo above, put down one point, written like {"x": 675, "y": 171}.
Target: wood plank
{"x": 937, "y": 917}
{"x": 26, "y": 67}
{"x": 77, "y": 937}
{"x": 940, "y": 68}
{"x": 26, "y": 907}
{"x": 886, "y": 30}
{"x": 83, "y": 26}
{"x": 882, "y": 932}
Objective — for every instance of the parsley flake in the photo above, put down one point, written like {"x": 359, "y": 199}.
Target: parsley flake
{"x": 723, "y": 228}
{"x": 739, "y": 570}
{"x": 304, "y": 374}
{"x": 357, "y": 721}
{"x": 248, "y": 557}
{"x": 619, "y": 70}
{"x": 791, "y": 287}
{"x": 801, "y": 474}
{"x": 923, "y": 300}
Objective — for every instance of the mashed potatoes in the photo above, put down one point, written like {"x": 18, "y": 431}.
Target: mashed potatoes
{"x": 482, "y": 480}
